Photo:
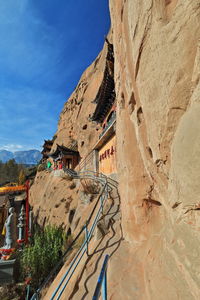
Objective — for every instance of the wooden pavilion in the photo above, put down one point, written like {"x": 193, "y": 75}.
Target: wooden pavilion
{"x": 105, "y": 114}
{"x": 106, "y": 94}
{"x": 65, "y": 157}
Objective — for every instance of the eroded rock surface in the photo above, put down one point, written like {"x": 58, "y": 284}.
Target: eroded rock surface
{"x": 157, "y": 69}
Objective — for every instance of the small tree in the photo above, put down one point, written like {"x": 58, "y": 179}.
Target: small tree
{"x": 22, "y": 177}
{"x": 39, "y": 258}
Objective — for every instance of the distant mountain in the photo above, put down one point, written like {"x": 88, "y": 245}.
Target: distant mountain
{"x": 29, "y": 157}
{"x": 6, "y": 155}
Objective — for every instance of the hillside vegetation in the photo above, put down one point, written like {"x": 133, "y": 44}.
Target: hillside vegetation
{"x": 10, "y": 171}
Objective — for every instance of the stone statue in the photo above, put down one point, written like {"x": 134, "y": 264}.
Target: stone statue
{"x": 9, "y": 225}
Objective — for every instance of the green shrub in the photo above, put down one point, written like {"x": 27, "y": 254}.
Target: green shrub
{"x": 43, "y": 254}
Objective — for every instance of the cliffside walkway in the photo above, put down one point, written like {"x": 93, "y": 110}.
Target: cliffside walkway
{"x": 97, "y": 242}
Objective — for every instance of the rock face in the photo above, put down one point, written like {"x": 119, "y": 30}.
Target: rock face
{"x": 74, "y": 124}
{"x": 157, "y": 59}
{"x": 59, "y": 200}
{"x": 157, "y": 73}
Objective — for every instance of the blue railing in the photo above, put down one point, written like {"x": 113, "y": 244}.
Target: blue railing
{"x": 88, "y": 228}
{"x": 88, "y": 235}
{"x": 108, "y": 125}
{"x": 101, "y": 286}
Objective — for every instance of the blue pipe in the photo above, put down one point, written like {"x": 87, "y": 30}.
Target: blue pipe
{"x": 87, "y": 239}
{"x": 94, "y": 223}
{"x": 63, "y": 288}
{"x": 104, "y": 287}
{"x": 71, "y": 265}
{"x": 35, "y": 297}
{"x": 28, "y": 291}
{"x": 102, "y": 282}
{"x": 85, "y": 244}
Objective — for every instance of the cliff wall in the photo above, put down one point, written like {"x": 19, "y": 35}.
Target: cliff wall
{"x": 74, "y": 124}
{"x": 157, "y": 72}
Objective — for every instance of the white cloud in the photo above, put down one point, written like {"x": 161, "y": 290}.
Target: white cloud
{"x": 17, "y": 147}
{"x": 11, "y": 147}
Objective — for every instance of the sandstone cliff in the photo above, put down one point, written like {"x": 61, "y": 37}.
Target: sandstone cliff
{"x": 157, "y": 73}
{"x": 157, "y": 59}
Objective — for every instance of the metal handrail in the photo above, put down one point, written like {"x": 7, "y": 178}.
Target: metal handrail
{"x": 108, "y": 125}
{"x": 102, "y": 281}
{"x": 103, "y": 179}
{"x": 84, "y": 247}
{"x": 72, "y": 267}
{"x": 83, "y": 163}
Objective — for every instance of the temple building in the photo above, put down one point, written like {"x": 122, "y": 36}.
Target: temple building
{"x": 46, "y": 149}
{"x": 106, "y": 93}
{"x": 64, "y": 157}
{"x": 105, "y": 114}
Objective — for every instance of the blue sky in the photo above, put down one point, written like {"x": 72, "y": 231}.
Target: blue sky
{"x": 45, "y": 46}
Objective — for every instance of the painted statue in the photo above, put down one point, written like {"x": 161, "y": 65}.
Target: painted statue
{"x": 10, "y": 230}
